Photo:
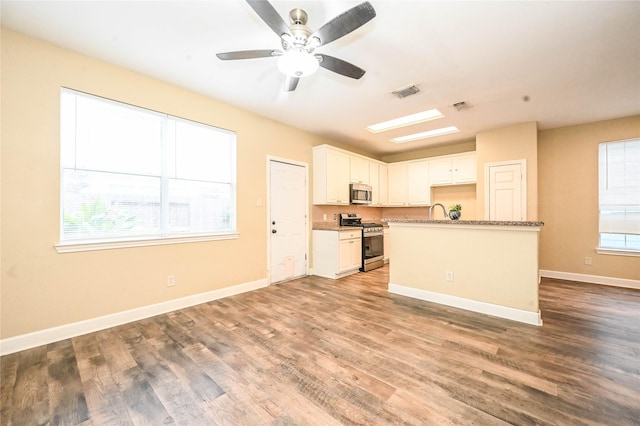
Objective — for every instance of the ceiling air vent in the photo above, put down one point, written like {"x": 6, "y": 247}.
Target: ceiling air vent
{"x": 406, "y": 91}
{"x": 462, "y": 105}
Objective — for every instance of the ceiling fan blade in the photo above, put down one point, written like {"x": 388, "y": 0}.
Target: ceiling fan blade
{"x": 291, "y": 83}
{"x": 344, "y": 23}
{"x": 270, "y": 16}
{"x": 248, "y": 54}
{"x": 339, "y": 66}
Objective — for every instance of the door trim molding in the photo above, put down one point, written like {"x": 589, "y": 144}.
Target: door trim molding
{"x": 487, "y": 187}
{"x": 267, "y": 204}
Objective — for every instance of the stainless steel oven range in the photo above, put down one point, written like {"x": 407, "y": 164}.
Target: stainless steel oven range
{"x": 372, "y": 240}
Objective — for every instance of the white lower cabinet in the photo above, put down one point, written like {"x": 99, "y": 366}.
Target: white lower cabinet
{"x": 336, "y": 253}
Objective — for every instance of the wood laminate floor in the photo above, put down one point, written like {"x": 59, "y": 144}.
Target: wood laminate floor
{"x": 321, "y": 352}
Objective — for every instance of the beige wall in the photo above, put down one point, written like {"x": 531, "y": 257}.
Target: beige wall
{"x": 568, "y": 178}
{"x": 517, "y": 142}
{"x": 43, "y": 289}
{"x": 497, "y": 266}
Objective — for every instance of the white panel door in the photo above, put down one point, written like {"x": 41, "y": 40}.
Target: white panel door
{"x": 506, "y": 194}
{"x": 288, "y": 221}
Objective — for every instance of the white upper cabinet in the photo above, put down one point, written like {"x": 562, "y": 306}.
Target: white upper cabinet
{"x": 383, "y": 181}
{"x": 398, "y": 189}
{"x": 440, "y": 171}
{"x": 378, "y": 182}
{"x": 374, "y": 181}
{"x": 465, "y": 169}
{"x": 359, "y": 170}
{"x": 331, "y": 174}
{"x": 453, "y": 170}
{"x": 406, "y": 183}
{"x": 419, "y": 187}
{"x": 409, "y": 184}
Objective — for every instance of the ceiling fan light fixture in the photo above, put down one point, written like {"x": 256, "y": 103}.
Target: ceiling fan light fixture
{"x": 298, "y": 63}
{"x": 427, "y": 134}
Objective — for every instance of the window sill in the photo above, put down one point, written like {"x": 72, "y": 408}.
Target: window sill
{"x": 618, "y": 252}
{"x": 116, "y": 244}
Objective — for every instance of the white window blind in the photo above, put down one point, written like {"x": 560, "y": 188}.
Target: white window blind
{"x": 619, "y": 195}
{"x": 129, "y": 173}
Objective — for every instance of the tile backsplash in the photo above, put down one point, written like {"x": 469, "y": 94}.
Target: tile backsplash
{"x": 464, "y": 195}
{"x": 369, "y": 214}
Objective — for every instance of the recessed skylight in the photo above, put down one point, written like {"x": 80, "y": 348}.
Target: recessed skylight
{"x": 424, "y": 135}
{"x": 407, "y": 120}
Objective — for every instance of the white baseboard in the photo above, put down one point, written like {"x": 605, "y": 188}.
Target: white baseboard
{"x": 50, "y": 335}
{"x": 519, "y": 315}
{"x": 592, "y": 279}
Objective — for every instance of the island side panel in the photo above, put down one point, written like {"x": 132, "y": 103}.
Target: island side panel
{"x": 489, "y": 264}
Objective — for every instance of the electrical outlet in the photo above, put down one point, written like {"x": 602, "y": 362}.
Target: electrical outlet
{"x": 324, "y": 217}
{"x": 449, "y": 276}
{"x": 588, "y": 261}
{"x": 335, "y": 216}
{"x": 171, "y": 281}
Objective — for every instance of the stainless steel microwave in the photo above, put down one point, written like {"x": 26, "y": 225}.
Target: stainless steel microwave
{"x": 359, "y": 193}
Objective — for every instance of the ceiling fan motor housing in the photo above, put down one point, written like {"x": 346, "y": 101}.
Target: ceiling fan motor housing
{"x": 299, "y": 42}
{"x": 300, "y": 33}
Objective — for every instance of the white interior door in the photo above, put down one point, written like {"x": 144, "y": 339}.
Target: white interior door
{"x": 287, "y": 221}
{"x": 506, "y": 191}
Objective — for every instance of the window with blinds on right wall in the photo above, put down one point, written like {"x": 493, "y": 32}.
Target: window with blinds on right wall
{"x": 619, "y": 197}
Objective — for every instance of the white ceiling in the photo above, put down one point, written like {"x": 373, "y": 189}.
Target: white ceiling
{"x": 576, "y": 62}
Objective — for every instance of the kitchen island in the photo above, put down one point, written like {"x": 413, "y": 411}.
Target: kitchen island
{"x": 489, "y": 267}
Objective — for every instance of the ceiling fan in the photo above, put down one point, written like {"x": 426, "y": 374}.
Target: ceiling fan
{"x": 297, "y": 58}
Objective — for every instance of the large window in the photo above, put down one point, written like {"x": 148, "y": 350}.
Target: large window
{"x": 133, "y": 174}
{"x": 619, "y": 194}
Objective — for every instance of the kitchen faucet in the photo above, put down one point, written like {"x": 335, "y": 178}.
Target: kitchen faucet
{"x": 443, "y": 210}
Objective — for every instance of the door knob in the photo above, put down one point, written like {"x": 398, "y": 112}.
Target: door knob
{"x": 273, "y": 222}
{"x": 273, "y": 231}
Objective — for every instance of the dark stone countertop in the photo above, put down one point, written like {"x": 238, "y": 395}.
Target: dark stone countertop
{"x": 466, "y": 222}
{"x": 332, "y": 226}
